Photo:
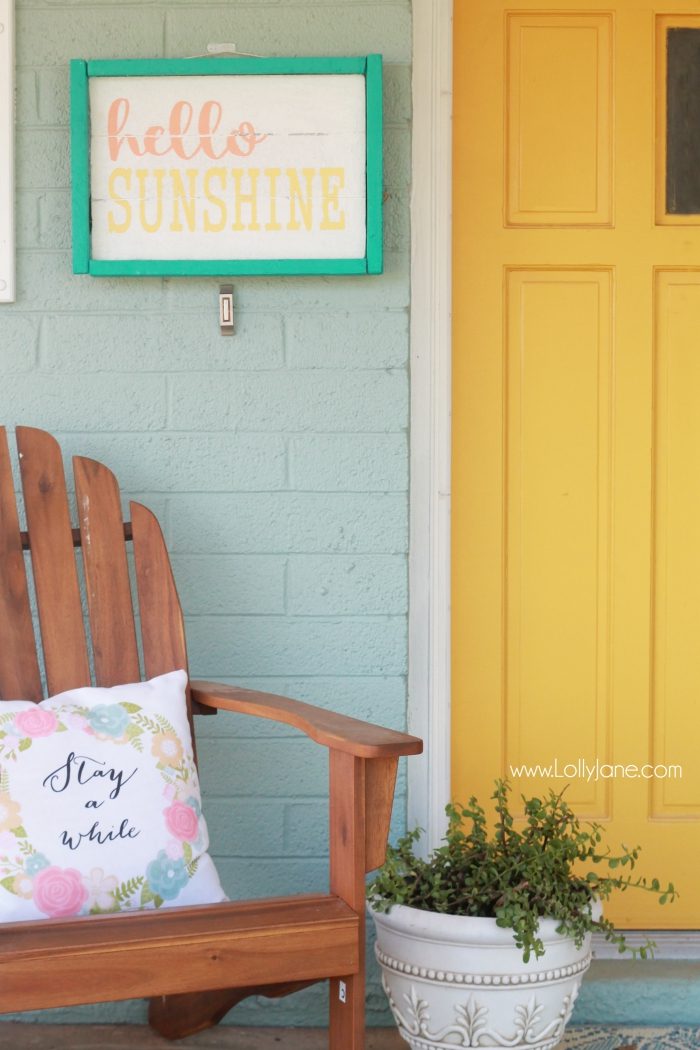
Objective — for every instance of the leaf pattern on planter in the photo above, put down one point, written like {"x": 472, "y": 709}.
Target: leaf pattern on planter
{"x": 471, "y": 1026}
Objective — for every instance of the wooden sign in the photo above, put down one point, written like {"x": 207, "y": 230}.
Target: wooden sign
{"x": 227, "y": 166}
{"x": 7, "y": 236}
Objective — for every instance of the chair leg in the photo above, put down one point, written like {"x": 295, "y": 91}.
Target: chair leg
{"x": 346, "y": 1029}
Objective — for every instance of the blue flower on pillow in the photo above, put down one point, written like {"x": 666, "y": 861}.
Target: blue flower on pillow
{"x": 35, "y": 863}
{"x": 108, "y": 719}
{"x": 194, "y": 804}
{"x": 166, "y": 876}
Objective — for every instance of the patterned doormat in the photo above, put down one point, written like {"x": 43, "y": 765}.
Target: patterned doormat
{"x": 612, "y": 1037}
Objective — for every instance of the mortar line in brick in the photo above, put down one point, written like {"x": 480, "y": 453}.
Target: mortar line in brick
{"x": 310, "y": 676}
{"x": 285, "y": 334}
{"x": 285, "y": 586}
{"x": 168, "y": 402}
{"x": 249, "y": 738}
{"x": 162, "y": 311}
{"x": 329, "y": 370}
{"x": 37, "y": 109}
{"x": 330, "y": 679}
{"x": 39, "y": 345}
{"x": 182, "y": 550}
{"x": 272, "y": 856}
{"x": 292, "y": 555}
{"x": 237, "y": 797}
{"x": 293, "y": 617}
{"x": 248, "y": 311}
{"x": 277, "y": 491}
{"x": 111, "y": 311}
{"x": 324, "y": 310}
{"x": 231, "y": 432}
{"x": 207, "y": 5}
{"x": 167, "y": 531}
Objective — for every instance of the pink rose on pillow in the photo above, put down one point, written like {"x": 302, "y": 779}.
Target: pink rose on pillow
{"x": 174, "y": 849}
{"x": 36, "y": 722}
{"x": 182, "y": 821}
{"x": 59, "y": 891}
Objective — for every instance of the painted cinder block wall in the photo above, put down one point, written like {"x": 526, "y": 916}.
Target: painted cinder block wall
{"x": 277, "y": 459}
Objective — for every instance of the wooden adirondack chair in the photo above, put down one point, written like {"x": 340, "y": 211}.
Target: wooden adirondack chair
{"x": 193, "y": 963}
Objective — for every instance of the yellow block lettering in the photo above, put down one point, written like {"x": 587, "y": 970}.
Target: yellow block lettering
{"x": 112, "y": 224}
{"x": 296, "y": 198}
{"x": 272, "y": 175}
{"x": 186, "y": 199}
{"x": 329, "y": 198}
{"x": 141, "y": 176}
{"x": 209, "y": 225}
{"x": 251, "y": 197}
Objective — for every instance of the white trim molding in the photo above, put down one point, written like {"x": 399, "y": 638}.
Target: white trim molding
{"x": 7, "y": 167}
{"x": 431, "y": 360}
{"x": 670, "y": 944}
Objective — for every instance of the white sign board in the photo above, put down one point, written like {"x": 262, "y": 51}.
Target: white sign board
{"x": 7, "y": 106}
{"x": 192, "y": 166}
{"x": 215, "y": 167}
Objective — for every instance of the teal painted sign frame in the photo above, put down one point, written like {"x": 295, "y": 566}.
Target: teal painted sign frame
{"x": 369, "y": 66}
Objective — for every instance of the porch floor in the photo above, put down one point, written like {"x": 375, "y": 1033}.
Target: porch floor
{"x": 18, "y": 1036}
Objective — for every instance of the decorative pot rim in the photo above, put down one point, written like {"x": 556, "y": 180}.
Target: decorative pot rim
{"x": 421, "y": 924}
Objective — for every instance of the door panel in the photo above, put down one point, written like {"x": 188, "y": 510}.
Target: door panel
{"x": 557, "y": 515}
{"x": 576, "y": 419}
{"x": 675, "y": 641}
{"x": 558, "y": 117}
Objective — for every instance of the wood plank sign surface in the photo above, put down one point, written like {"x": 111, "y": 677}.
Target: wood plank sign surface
{"x": 7, "y": 247}
{"x": 227, "y": 166}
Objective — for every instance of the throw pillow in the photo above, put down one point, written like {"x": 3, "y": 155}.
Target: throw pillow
{"x": 100, "y": 808}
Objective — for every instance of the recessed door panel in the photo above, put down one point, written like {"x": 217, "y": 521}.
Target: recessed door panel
{"x": 557, "y": 521}
{"x": 676, "y": 545}
{"x": 558, "y": 119}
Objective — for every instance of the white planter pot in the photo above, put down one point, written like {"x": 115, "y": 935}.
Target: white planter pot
{"x": 456, "y": 981}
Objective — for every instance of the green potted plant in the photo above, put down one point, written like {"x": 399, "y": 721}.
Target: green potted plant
{"x": 485, "y": 942}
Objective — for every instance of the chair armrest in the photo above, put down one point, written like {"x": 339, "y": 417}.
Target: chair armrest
{"x": 337, "y": 732}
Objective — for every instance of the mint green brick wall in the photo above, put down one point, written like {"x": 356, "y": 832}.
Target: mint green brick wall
{"x": 277, "y": 460}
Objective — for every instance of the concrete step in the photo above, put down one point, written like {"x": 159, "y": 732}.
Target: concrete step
{"x": 645, "y": 992}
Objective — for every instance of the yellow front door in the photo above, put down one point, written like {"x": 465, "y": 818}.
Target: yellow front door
{"x": 576, "y": 415}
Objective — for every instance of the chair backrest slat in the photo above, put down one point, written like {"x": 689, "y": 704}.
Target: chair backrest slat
{"x": 115, "y": 652}
{"x": 162, "y": 624}
{"x": 19, "y": 668}
{"x": 53, "y": 561}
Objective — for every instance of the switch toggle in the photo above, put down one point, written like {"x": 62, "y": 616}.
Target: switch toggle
{"x": 226, "y": 309}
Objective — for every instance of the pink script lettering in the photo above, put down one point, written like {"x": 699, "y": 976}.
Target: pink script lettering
{"x": 156, "y": 142}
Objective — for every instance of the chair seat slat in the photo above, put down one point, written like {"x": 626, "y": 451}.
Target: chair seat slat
{"x": 115, "y": 653}
{"x": 185, "y": 950}
{"x": 19, "y": 668}
{"x": 53, "y": 561}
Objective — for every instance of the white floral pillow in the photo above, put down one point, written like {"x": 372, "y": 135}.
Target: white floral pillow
{"x": 100, "y": 808}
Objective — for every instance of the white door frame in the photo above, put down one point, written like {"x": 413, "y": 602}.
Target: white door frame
{"x": 431, "y": 397}
{"x": 431, "y": 363}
